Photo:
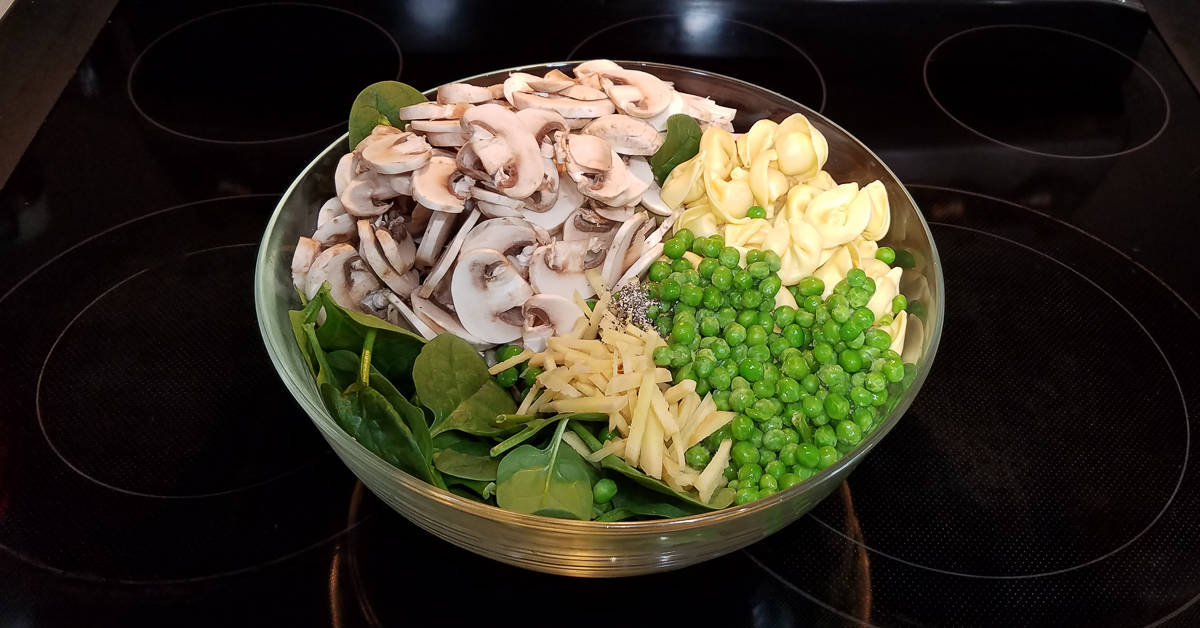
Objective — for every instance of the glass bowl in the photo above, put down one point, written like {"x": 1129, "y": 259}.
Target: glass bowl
{"x": 588, "y": 548}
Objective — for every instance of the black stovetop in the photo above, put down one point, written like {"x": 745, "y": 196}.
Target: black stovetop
{"x": 154, "y": 471}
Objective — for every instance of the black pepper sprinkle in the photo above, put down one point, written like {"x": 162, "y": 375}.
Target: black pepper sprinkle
{"x": 631, "y": 303}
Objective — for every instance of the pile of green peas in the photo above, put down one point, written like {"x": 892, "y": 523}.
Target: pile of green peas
{"x": 808, "y": 382}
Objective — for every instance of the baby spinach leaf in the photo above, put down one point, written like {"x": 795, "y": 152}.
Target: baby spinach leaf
{"x": 412, "y": 415}
{"x": 646, "y": 503}
{"x": 616, "y": 514}
{"x": 555, "y": 481}
{"x": 681, "y": 144}
{"x": 394, "y": 349}
{"x": 459, "y": 455}
{"x": 722, "y": 498}
{"x": 379, "y": 103}
{"x": 534, "y": 426}
{"x": 477, "y": 490}
{"x": 452, "y": 380}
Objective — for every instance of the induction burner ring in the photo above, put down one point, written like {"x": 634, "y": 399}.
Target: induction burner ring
{"x": 192, "y": 136}
{"x": 1134, "y": 63}
{"x": 120, "y": 225}
{"x": 787, "y": 42}
{"x": 1110, "y": 553}
{"x": 83, "y": 473}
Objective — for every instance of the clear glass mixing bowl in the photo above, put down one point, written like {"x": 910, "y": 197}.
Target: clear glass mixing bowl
{"x": 586, "y": 548}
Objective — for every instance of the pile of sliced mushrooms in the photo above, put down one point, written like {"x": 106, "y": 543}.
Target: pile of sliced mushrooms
{"x": 481, "y": 216}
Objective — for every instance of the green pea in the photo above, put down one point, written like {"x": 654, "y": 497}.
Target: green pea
{"x": 756, "y": 438}
{"x": 828, "y": 456}
{"x": 758, "y": 353}
{"x": 849, "y": 331}
{"x": 681, "y": 265}
{"x": 752, "y": 370}
{"x": 840, "y": 314}
{"x": 858, "y": 379}
{"x": 706, "y": 267}
{"x": 668, "y": 290}
{"x": 719, "y": 347}
{"x": 899, "y": 304}
{"x": 745, "y": 495}
{"x": 768, "y": 484}
{"x": 878, "y": 338}
{"x": 810, "y": 384}
{"x": 763, "y": 390}
{"x": 886, "y": 255}
{"x": 713, "y": 299}
{"x": 675, "y": 247}
{"x": 752, "y": 256}
{"x": 722, "y": 278}
{"x": 530, "y": 375}
{"x": 759, "y": 270}
{"x": 893, "y": 370}
{"x": 766, "y": 457}
{"x": 769, "y": 286}
{"x": 810, "y": 286}
{"x": 691, "y": 295}
{"x": 784, "y": 315}
{"x": 703, "y": 367}
{"x": 662, "y": 356}
{"x": 774, "y": 440}
{"x": 794, "y": 335}
{"x": 824, "y": 436}
{"x": 795, "y": 367}
{"x": 823, "y": 352}
{"x": 737, "y": 353}
{"x": 855, "y": 277}
{"x": 729, "y": 257}
{"x": 787, "y": 454}
{"x": 507, "y": 352}
{"x": 879, "y": 398}
{"x": 875, "y": 382}
{"x": 860, "y": 396}
{"x": 772, "y": 260}
{"x": 682, "y": 334}
{"x": 850, "y": 360}
{"x": 804, "y": 318}
{"x": 841, "y": 288}
{"x": 720, "y": 380}
{"x": 508, "y": 377}
{"x": 755, "y": 335}
{"x": 788, "y": 481}
{"x": 863, "y": 317}
{"x": 778, "y": 345}
{"x": 811, "y": 303}
{"x": 864, "y": 418}
{"x": 685, "y": 236}
{"x": 750, "y": 299}
{"x": 720, "y": 397}
{"x": 869, "y": 286}
{"x": 836, "y": 406}
{"x": 750, "y": 472}
{"x": 770, "y": 371}
{"x": 857, "y": 297}
{"x": 658, "y": 271}
{"x": 711, "y": 248}
{"x": 788, "y": 390}
{"x": 709, "y": 326}
{"x": 807, "y": 454}
{"x": 697, "y": 457}
{"x": 604, "y": 490}
{"x": 735, "y": 334}
{"x": 747, "y": 318}
{"x": 741, "y": 399}
{"x": 813, "y": 407}
{"x": 741, "y": 427}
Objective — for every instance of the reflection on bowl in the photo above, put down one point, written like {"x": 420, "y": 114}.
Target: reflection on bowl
{"x": 589, "y": 548}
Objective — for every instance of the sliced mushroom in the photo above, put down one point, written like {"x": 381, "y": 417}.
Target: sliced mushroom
{"x": 488, "y": 196}
{"x": 615, "y": 214}
{"x": 418, "y": 220}
{"x": 558, "y": 267}
{"x": 307, "y": 250}
{"x": 418, "y": 324}
{"x": 614, "y": 259}
{"x": 349, "y": 278}
{"x": 453, "y": 93}
{"x": 638, "y": 245}
{"x": 588, "y": 72}
{"x": 447, "y": 259}
{"x": 584, "y": 223}
{"x": 552, "y": 82}
{"x": 563, "y": 105}
{"x": 397, "y": 244}
{"x": 706, "y": 111}
{"x": 576, "y": 124}
{"x": 398, "y": 153}
{"x": 368, "y": 195}
{"x": 546, "y": 195}
{"x": 347, "y": 169}
{"x": 437, "y": 232}
{"x": 546, "y": 315}
{"x": 632, "y": 194}
{"x": 652, "y": 96}
{"x": 401, "y": 184}
{"x": 659, "y": 121}
{"x": 542, "y": 123}
{"x": 493, "y": 287}
{"x": 336, "y": 230}
{"x": 569, "y": 199}
{"x": 505, "y": 148}
{"x": 583, "y": 161}
{"x": 433, "y": 111}
{"x": 589, "y": 152}
{"x": 663, "y": 227}
{"x": 626, "y": 134}
{"x": 514, "y": 237}
{"x": 330, "y": 210}
{"x": 376, "y": 304}
{"x": 436, "y": 126}
{"x": 443, "y": 322}
{"x": 431, "y": 185}
{"x": 369, "y": 250}
{"x": 639, "y": 167}
{"x": 638, "y": 267}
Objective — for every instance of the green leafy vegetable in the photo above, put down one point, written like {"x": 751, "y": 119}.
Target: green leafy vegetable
{"x": 380, "y": 103}
{"x": 534, "y": 426}
{"x": 477, "y": 490}
{"x": 681, "y": 144}
{"x": 453, "y": 381}
{"x": 464, "y": 457}
{"x": 555, "y": 481}
{"x": 394, "y": 350}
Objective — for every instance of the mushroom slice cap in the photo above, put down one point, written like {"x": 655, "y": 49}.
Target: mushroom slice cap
{"x": 397, "y": 154}
{"x": 330, "y": 210}
{"x": 442, "y": 321}
{"x": 654, "y": 94}
{"x": 347, "y": 169}
{"x": 512, "y": 236}
{"x": 589, "y": 152}
{"x": 488, "y": 196}
{"x": 436, "y": 126}
{"x": 369, "y": 250}
{"x": 447, "y": 259}
{"x": 614, "y": 259}
{"x": 495, "y": 290}
{"x": 583, "y": 92}
{"x": 431, "y": 185}
{"x": 367, "y": 195}
{"x": 593, "y": 68}
{"x": 453, "y": 93}
{"x": 437, "y": 232}
{"x": 584, "y": 223}
{"x": 569, "y": 199}
{"x": 336, "y": 230}
{"x": 626, "y": 134}
{"x": 567, "y": 107}
{"x": 432, "y": 111}
{"x": 399, "y": 249}
{"x": 557, "y": 313}
{"x": 552, "y": 82}
{"x": 638, "y": 267}
{"x": 542, "y": 123}
{"x": 506, "y": 149}
{"x": 639, "y": 167}
{"x": 447, "y": 140}
{"x": 307, "y": 250}
{"x": 558, "y": 267}
{"x": 516, "y": 82}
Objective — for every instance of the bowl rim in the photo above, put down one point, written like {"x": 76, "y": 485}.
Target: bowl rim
{"x": 325, "y": 423}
